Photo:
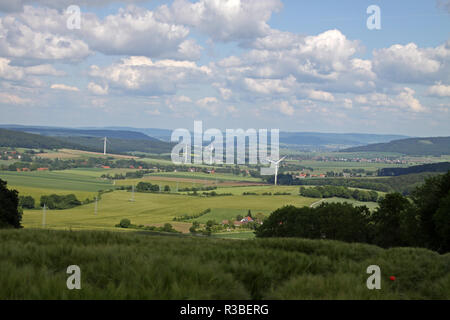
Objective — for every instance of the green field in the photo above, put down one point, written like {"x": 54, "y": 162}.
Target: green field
{"x": 139, "y": 266}
{"x": 339, "y": 166}
{"x": 151, "y": 209}
{"x": 36, "y": 183}
{"x": 206, "y": 176}
{"x": 371, "y": 205}
{"x": 148, "y": 208}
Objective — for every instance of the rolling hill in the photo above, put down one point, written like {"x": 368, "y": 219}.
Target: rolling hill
{"x": 10, "y": 138}
{"x": 296, "y": 140}
{"x": 73, "y": 132}
{"x": 434, "y": 146}
{"x": 333, "y": 139}
{"x": 14, "y": 138}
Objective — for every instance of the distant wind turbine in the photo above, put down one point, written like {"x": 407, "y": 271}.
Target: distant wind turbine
{"x": 104, "y": 145}
{"x": 105, "y": 141}
{"x": 211, "y": 148}
{"x": 276, "y": 163}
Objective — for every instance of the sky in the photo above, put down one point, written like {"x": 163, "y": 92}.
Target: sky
{"x": 290, "y": 65}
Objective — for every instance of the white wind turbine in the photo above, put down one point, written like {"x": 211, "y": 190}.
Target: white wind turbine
{"x": 276, "y": 163}
{"x": 211, "y": 148}
{"x": 104, "y": 145}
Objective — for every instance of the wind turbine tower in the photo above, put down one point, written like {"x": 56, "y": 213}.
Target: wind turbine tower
{"x": 211, "y": 148}
{"x": 132, "y": 194}
{"x": 104, "y": 145}
{"x": 44, "y": 211}
{"x": 277, "y": 164}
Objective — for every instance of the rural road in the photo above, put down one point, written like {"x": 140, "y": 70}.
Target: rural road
{"x": 315, "y": 203}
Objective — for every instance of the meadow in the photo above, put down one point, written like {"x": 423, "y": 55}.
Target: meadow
{"x": 205, "y": 176}
{"x": 156, "y": 209}
{"x": 37, "y": 183}
{"x": 153, "y": 209}
{"x": 371, "y": 205}
{"x": 114, "y": 265}
{"x": 338, "y": 166}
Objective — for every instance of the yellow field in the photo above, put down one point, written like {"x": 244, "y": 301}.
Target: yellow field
{"x": 153, "y": 209}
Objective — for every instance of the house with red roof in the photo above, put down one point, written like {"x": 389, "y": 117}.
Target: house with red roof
{"x": 247, "y": 220}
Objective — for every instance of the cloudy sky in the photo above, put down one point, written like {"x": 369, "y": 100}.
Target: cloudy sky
{"x": 293, "y": 65}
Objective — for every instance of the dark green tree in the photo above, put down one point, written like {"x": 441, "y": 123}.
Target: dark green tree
{"x": 26, "y": 202}
{"x": 10, "y": 214}
{"x": 431, "y": 201}
{"x": 394, "y": 221}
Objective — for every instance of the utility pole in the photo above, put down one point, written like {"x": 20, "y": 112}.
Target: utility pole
{"x": 132, "y": 194}
{"x": 44, "y": 209}
{"x": 96, "y": 206}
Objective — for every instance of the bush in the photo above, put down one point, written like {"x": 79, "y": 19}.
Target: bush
{"x": 125, "y": 223}
{"x": 26, "y": 202}
{"x": 338, "y": 191}
{"x": 60, "y": 202}
{"x": 187, "y": 217}
{"x": 336, "y": 221}
{"x": 147, "y": 187}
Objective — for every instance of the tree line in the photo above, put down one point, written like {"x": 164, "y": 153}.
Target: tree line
{"x": 421, "y": 220}
{"x": 429, "y": 167}
{"x": 341, "y": 192}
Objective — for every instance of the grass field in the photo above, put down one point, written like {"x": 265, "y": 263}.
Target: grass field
{"x": 37, "y": 183}
{"x": 33, "y": 265}
{"x": 148, "y": 209}
{"x": 339, "y": 166}
{"x": 371, "y": 205}
{"x": 153, "y": 209}
{"x": 205, "y": 176}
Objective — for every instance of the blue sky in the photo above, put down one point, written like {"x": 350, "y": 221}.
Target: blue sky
{"x": 292, "y": 65}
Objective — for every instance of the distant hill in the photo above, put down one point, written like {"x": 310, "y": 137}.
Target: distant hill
{"x": 15, "y": 138}
{"x": 73, "y": 132}
{"x": 436, "y": 146}
{"x": 295, "y": 139}
{"x": 122, "y": 145}
{"x": 298, "y": 140}
{"x": 338, "y": 140}
{"x": 161, "y": 134}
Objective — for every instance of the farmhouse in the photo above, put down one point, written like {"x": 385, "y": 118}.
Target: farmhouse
{"x": 247, "y": 220}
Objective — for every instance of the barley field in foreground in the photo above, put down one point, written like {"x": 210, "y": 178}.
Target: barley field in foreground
{"x": 113, "y": 265}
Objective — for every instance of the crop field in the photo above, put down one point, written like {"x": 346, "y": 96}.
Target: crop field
{"x": 198, "y": 268}
{"x": 152, "y": 209}
{"x": 149, "y": 208}
{"x": 339, "y": 166}
{"x": 173, "y": 183}
{"x": 98, "y": 172}
{"x": 59, "y": 182}
{"x": 205, "y": 176}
